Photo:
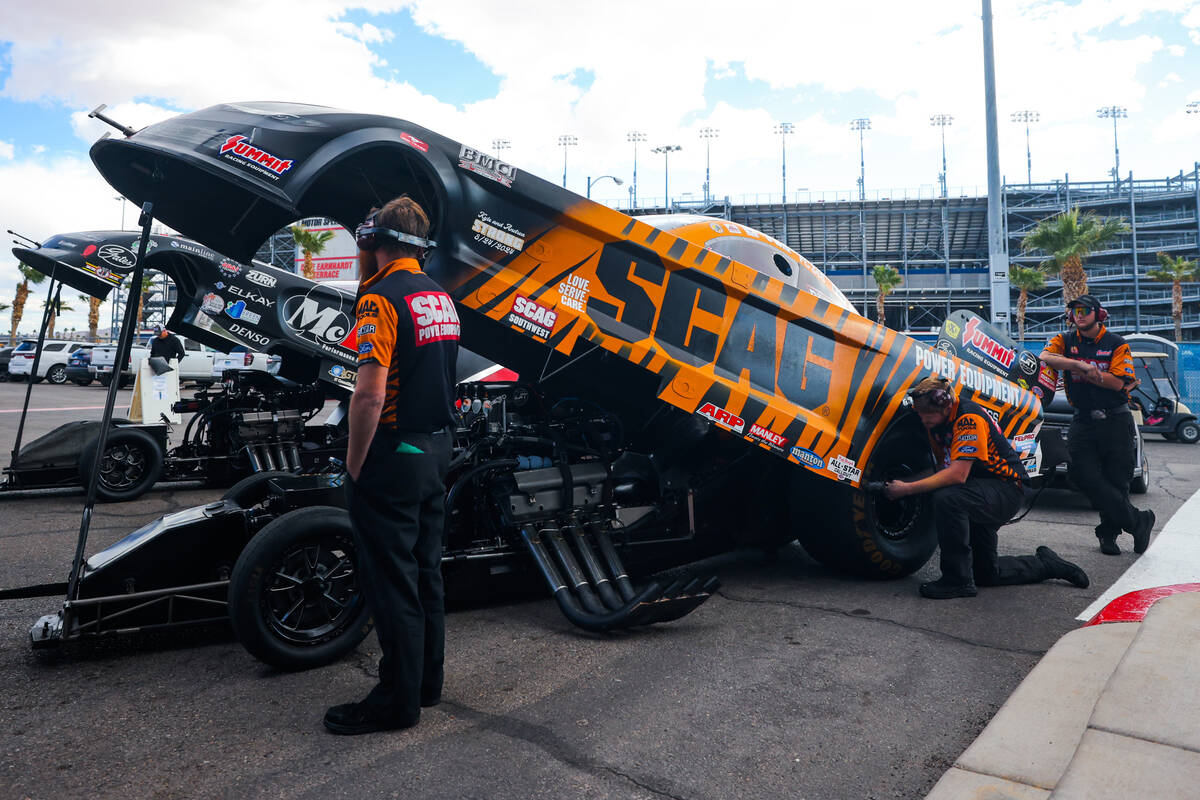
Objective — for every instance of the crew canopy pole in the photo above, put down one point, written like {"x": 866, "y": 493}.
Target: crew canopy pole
{"x": 124, "y": 345}
{"x": 52, "y": 301}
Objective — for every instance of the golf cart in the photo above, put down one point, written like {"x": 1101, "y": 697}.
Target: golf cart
{"x": 1158, "y": 398}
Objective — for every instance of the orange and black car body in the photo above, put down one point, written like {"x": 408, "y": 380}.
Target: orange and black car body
{"x": 744, "y": 382}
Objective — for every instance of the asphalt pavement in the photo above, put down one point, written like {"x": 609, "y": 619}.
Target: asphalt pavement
{"x": 793, "y": 682}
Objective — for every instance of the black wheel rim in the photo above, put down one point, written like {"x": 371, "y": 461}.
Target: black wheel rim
{"x": 311, "y": 594}
{"x": 123, "y": 466}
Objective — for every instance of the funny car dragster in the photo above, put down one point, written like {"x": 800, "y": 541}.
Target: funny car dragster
{"x": 250, "y": 422}
{"x": 689, "y": 386}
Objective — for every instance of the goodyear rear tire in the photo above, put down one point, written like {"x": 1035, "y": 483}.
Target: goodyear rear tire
{"x": 294, "y": 600}
{"x": 863, "y": 534}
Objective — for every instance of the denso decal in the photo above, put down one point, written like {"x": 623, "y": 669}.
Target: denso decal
{"x": 237, "y": 149}
{"x": 844, "y": 468}
{"x": 768, "y": 436}
{"x": 533, "y": 317}
{"x": 249, "y": 334}
{"x": 977, "y": 340}
{"x": 116, "y": 256}
{"x": 434, "y": 317}
{"x": 722, "y": 417}
{"x": 482, "y": 164}
{"x": 261, "y": 278}
{"x": 808, "y": 458}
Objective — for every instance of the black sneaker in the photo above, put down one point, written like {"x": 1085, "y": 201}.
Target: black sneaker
{"x": 943, "y": 590}
{"x": 351, "y": 719}
{"x": 1141, "y": 536}
{"x": 1108, "y": 546}
{"x": 1059, "y": 567}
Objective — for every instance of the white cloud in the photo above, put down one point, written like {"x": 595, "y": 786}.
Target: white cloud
{"x": 38, "y": 149}
{"x": 7, "y": 151}
{"x": 1176, "y": 49}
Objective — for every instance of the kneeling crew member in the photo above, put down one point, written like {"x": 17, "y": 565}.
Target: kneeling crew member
{"x": 396, "y": 461}
{"x": 977, "y": 487}
{"x": 1097, "y": 373}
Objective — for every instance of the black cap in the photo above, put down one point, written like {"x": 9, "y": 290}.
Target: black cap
{"x": 1085, "y": 300}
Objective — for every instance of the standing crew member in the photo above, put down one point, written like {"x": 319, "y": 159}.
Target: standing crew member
{"x": 166, "y": 344}
{"x": 1097, "y": 373}
{"x": 396, "y": 460}
{"x": 977, "y": 486}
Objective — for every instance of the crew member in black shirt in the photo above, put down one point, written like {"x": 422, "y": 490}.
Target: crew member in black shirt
{"x": 396, "y": 460}
{"x": 165, "y": 344}
{"x": 1097, "y": 372}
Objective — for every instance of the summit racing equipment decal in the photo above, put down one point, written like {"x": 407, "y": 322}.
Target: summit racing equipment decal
{"x": 491, "y": 168}
{"x": 434, "y": 317}
{"x": 768, "y": 436}
{"x": 844, "y": 468}
{"x": 532, "y": 317}
{"x": 240, "y": 151}
{"x": 319, "y": 318}
{"x": 501, "y": 236}
{"x": 722, "y": 417}
{"x": 982, "y": 343}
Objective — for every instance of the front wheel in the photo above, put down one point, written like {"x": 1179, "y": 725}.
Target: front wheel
{"x": 294, "y": 597}
{"x": 1188, "y": 431}
{"x": 131, "y": 464}
{"x": 866, "y": 534}
{"x": 1141, "y": 484}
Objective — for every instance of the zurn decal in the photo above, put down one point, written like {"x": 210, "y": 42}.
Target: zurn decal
{"x": 800, "y": 366}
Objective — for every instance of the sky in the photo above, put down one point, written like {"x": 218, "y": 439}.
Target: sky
{"x": 530, "y": 71}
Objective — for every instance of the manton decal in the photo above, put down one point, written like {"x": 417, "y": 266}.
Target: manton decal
{"x": 533, "y": 317}
{"x": 768, "y": 436}
{"x": 237, "y": 145}
{"x": 722, "y": 417}
{"x": 433, "y": 316}
{"x": 980, "y": 341}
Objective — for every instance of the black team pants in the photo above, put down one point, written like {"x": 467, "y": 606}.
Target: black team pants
{"x": 968, "y": 517}
{"x": 397, "y": 507}
{"x": 1102, "y": 455}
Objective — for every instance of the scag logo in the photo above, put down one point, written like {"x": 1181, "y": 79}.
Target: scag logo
{"x": 533, "y": 317}
{"x": 722, "y": 417}
{"x": 434, "y": 317}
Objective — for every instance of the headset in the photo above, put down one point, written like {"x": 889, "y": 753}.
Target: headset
{"x": 938, "y": 398}
{"x": 369, "y": 236}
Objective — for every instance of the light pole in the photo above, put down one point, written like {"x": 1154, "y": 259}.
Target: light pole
{"x": 634, "y": 137}
{"x": 707, "y": 134}
{"x": 565, "y": 141}
{"x": 121, "y": 200}
{"x": 942, "y": 121}
{"x": 666, "y": 151}
{"x": 1115, "y": 113}
{"x": 783, "y": 129}
{"x": 1026, "y": 117}
{"x": 615, "y": 179}
{"x": 1193, "y": 107}
{"x": 500, "y": 145}
{"x": 861, "y": 124}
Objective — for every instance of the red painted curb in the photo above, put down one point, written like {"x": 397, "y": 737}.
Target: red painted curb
{"x": 1132, "y": 607}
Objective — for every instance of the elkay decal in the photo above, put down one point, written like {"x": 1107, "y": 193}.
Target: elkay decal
{"x": 722, "y": 417}
{"x": 251, "y": 296}
{"x": 573, "y": 292}
{"x": 116, "y": 256}
{"x": 493, "y": 233}
{"x": 844, "y": 468}
{"x": 240, "y": 151}
{"x": 261, "y": 278}
{"x": 532, "y": 317}
{"x": 434, "y": 317}
{"x": 482, "y": 164}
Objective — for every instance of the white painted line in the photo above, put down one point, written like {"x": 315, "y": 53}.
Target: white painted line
{"x": 62, "y": 408}
{"x": 1173, "y": 557}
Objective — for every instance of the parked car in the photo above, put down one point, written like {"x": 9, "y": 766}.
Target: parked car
{"x": 242, "y": 357}
{"x": 1057, "y": 416}
{"x": 5, "y": 357}
{"x": 79, "y": 366}
{"x": 52, "y": 365}
{"x": 196, "y": 365}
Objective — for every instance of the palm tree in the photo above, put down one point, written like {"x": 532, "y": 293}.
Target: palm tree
{"x": 312, "y": 243}
{"x": 93, "y": 314}
{"x": 1174, "y": 270}
{"x": 1025, "y": 279}
{"x": 886, "y": 279}
{"x": 28, "y": 275}
{"x": 1069, "y": 239}
{"x": 62, "y": 305}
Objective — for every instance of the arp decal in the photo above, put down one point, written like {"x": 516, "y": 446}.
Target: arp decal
{"x": 116, "y": 256}
{"x": 722, "y": 417}
{"x": 489, "y": 167}
{"x": 808, "y": 458}
{"x": 533, "y": 317}
{"x": 980, "y": 342}
{"x": 238, "y": 150}
{"x": 434, "y": 317}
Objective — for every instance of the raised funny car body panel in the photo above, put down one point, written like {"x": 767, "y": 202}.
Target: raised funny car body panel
{"x": 550, "y": 276}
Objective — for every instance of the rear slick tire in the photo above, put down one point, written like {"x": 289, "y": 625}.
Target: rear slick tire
{"x": 132, "y": 463}
{"x": 294, "y": 600}
{"x": 865, "y": 534}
